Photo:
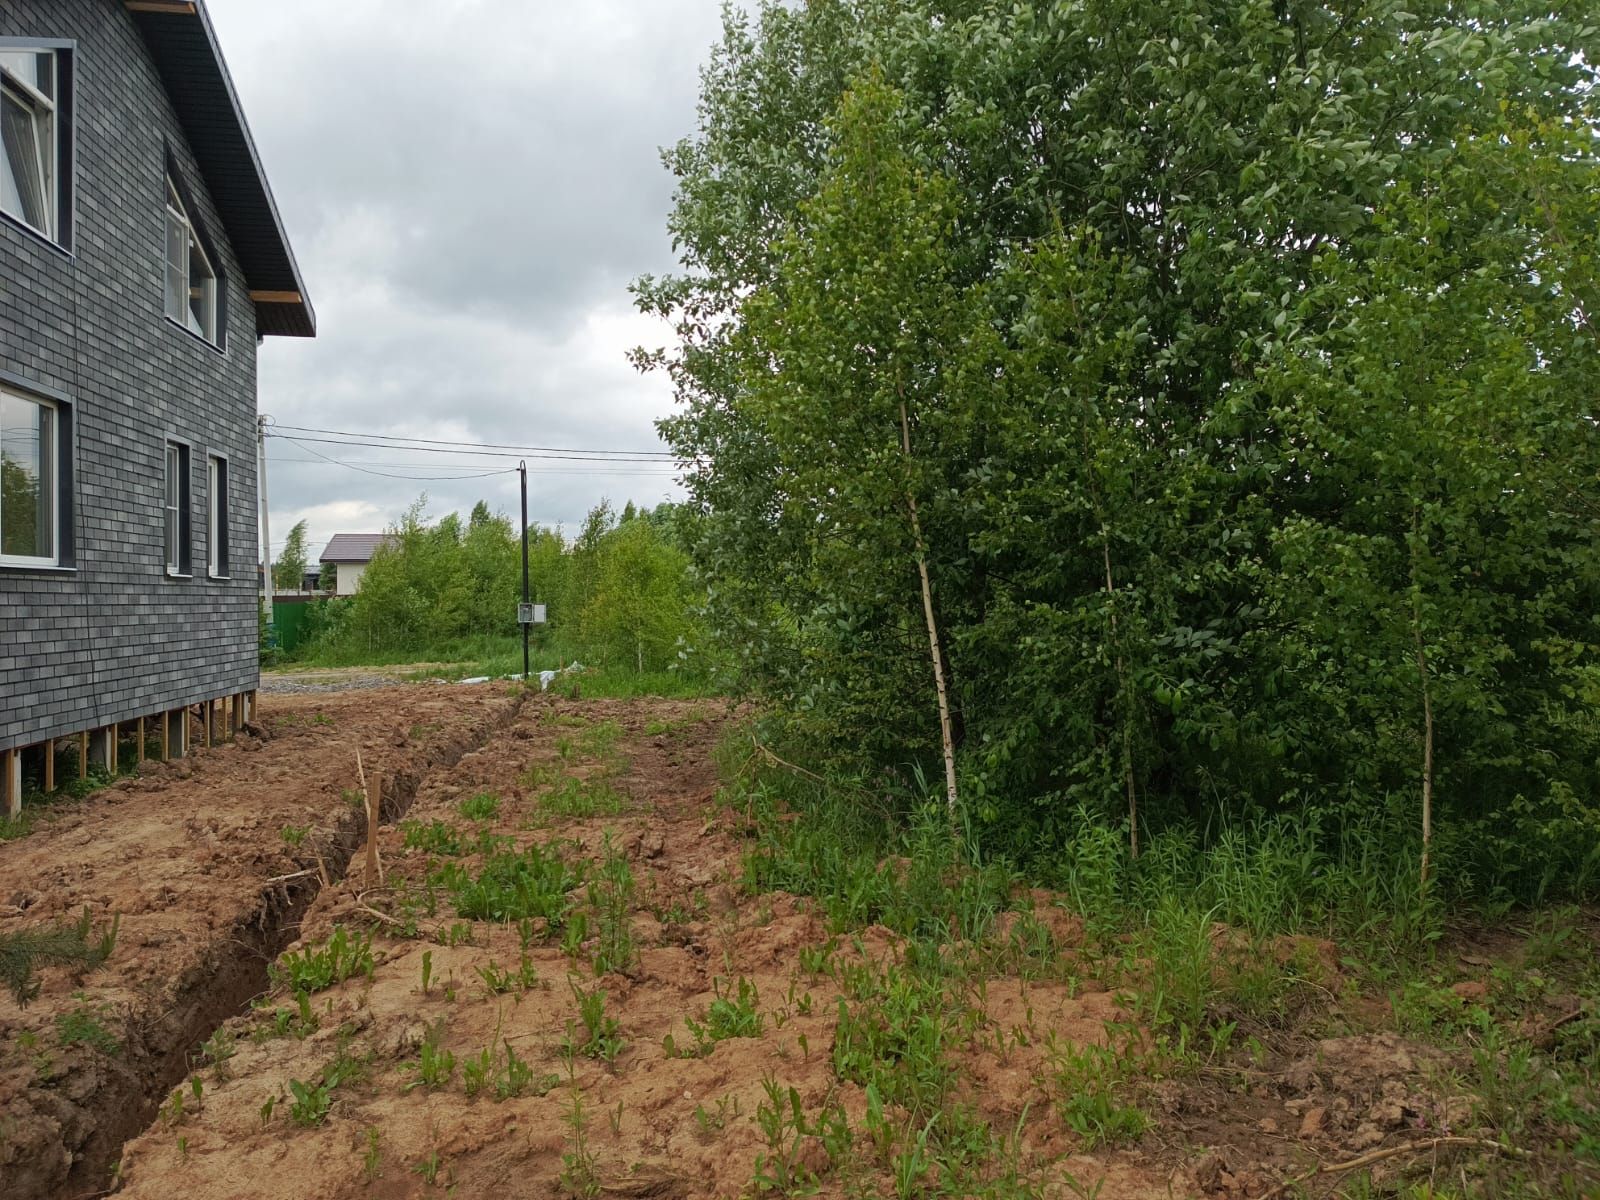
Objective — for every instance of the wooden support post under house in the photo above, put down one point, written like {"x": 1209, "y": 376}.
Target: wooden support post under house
{"x": 166, "y": 737}
{"x": 83, "y": 756}
{"x": 102, "y": 747}
{"x": 49, "y": 765}
{"x": 139, "y": 754}
{"x": 208, "y": 715}
{"x": 11, "y": 782}
{"x": 114, "y": 735}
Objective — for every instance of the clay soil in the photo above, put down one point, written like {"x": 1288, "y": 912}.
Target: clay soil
{"x": 194, "y": 858}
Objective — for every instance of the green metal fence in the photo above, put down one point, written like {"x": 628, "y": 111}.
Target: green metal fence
{"x": 291, "y": 618}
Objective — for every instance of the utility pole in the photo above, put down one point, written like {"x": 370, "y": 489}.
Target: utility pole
{"x": 266, "y": 524}
{"x": 525, "y": 617}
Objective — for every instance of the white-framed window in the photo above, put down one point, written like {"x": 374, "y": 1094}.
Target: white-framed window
{"x": 216, "y": 516}
{"x": 30, "y": 133}
{"x": 30, "y": 498}
{"x": 191, "y": 278}
{"x": 175, "y": 509}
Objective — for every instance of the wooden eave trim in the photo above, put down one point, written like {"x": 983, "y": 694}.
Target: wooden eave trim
{"x": 277, "y": 297}
{"x": 176, "y": 8}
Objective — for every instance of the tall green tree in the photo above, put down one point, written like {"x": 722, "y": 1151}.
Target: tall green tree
{"x": 858, "y": 337}
{"x": 1250, "y": 348}
{"x": 290, "y": 571}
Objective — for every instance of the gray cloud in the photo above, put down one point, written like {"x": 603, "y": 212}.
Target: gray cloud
{"x": 469, "y": 186}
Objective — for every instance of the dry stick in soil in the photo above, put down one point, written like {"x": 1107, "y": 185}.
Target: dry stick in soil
{"x": 394, "y": 922}
{"x": 1378, "y": 1156}
{"x": 946, "y": 735}
{"x": 374, "y": 870}
{"x": 363, "y": 906}
{"x": 1544, "y": 1037}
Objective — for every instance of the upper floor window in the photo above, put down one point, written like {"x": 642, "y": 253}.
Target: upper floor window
{"x": 31, "y": 131}
{"x": 191, "y": 278}
{"x": 30, "y": 499}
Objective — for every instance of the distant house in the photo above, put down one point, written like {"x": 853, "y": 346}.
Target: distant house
{"x": 348, "y": 554}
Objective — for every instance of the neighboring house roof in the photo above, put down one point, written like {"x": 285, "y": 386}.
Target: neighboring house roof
{"x": 184, "y": 46}
{"x": 354, "y": 547}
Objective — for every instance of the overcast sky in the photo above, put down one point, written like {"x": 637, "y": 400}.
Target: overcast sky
{"x": 469, "y": 186}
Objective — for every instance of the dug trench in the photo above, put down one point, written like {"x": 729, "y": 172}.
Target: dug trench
{"x": 186, "y": 858}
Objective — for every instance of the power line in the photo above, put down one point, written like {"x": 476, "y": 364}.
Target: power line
{"x": 478, "y": 473}
{"x": 303, "y": 441}
{"x": 563, "y": 450}
{"x": 389, "y": 474}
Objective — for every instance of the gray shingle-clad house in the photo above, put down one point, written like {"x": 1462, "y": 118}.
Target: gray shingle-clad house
{"x": 141, "y": 260}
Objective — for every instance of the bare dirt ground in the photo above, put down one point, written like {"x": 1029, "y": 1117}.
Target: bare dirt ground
{"x": 192, "y": 859}
{"x": 560, "y": 987}
{"x": 696, "y": 934}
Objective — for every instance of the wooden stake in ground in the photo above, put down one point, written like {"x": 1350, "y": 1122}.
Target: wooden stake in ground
{"x": 11, "y": 782}
{"x": 373, "y": 875}
{"x": 946, "y": 734}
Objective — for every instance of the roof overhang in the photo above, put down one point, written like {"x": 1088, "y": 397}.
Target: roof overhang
{"x": 186, "y": 53}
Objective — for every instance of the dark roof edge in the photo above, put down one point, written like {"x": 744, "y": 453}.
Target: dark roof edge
{"x": 275, "y": 315}
{"x": 255, "y": 161}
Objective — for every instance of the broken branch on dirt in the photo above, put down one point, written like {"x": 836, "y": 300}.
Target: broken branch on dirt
{"x": 1378, "y": 1156}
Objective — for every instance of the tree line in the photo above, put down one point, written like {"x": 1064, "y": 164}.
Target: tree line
{"x": 1160, "y": 416}
{"x": 618, "y": 594}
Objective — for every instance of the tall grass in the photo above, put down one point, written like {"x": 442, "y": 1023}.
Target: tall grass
{"x": 885, "y": 853}
{"x": 887, "y": 860}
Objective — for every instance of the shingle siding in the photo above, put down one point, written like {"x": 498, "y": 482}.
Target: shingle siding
{"x": 116, "y": 639}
